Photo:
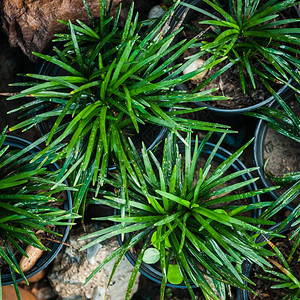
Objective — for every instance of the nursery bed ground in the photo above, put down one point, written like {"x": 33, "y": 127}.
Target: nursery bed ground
{"x": 12, "y": 61}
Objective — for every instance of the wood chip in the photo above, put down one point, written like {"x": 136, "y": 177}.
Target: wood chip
{"x": 27, "y": 263}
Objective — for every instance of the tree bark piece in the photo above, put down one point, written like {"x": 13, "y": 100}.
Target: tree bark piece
{"x": 31, "y": 24}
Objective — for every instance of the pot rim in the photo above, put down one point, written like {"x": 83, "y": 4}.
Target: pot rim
{"x": 258, "y": 150}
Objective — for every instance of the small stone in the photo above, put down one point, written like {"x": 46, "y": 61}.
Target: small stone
{"x": 28, "y": 262}
{"x": 71, "y": 255}
{"x": 155, "y": 12}
{"x": 197, "y": 64}
{"x": 98, "y": 293}
{"x": 46, "y": 294}
{"x": 74, "y": 297}
{"x": 92, "y": 252}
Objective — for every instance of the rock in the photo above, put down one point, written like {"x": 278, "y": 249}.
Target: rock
{"x": 33, "y": 255}
{"x": 71, "y": 268}
{"x": 155, "y": 12}
{"x": 197, "y": 64}
{"x": 31, "y": 24}
{"x": 92, "y": 252}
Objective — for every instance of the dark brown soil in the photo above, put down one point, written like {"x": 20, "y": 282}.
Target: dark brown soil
{"x": 228, "y": 85}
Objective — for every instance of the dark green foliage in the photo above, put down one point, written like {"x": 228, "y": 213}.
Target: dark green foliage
{"x": 287, "y": 123}
{"x": 195, "y": 216}
{"x": 255, "y": 37}
{"x": 28, "y": 202}
{"x": 115, "y": 81}
{"x": 281, "y": 274}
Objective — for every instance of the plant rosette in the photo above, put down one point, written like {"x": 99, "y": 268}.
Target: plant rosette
{"x": 115, "y": 82}
{"x": 282, "y": 280}
{"x": 151, "y": 255}
{"x": 34, "y": 222}
{"x": 276, "y": 147}
{"x": 194, "y": 218}
{"x": 259, "y": 46}
{"x": 149, "y": 134}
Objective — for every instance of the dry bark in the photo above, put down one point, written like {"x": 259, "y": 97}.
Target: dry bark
{"x": 31, "y": 24}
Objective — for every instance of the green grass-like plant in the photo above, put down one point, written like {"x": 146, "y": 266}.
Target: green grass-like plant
{"x": 286, "y": 122}
{"x": 254, "y": 37}
{"x": 27, "y": 203}
{"x": 184, "y": 216}
{"x": 282, "y": 276}
{"x": 115, "y": 81}
{"x": 283, "y": 120}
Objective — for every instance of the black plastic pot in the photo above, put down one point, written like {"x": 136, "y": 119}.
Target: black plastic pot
{"x": 48, "y": 256}
{"x": 155, "y": 275}
{"x": 246, "y": 266}
{"x": 258, "y": 152}
{"x": 284, "y": 92}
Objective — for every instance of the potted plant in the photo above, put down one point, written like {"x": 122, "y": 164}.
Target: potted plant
{"x": 282, "y": 279}
{"x": 34, "y": 219}
{"x": 114, "y": 81}
{"x": 188, "y": 215}
{"x": 278, "y": 133}
{"x": 259, "y": 42}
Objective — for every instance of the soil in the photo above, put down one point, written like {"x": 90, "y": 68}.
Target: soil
{"x": 263, "y": 286}
{"x": 228, "y": 84}
{"x": 282, "y": 153}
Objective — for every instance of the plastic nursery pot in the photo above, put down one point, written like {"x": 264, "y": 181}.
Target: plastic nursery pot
{"x": 150, "y": 134}
{"x": 258, "y": 151}
{"x": 285, "y": 91}
{"x": 155, "y": 275}
{"x": 246, "y": 266}
{"x": 48, "y": 256}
